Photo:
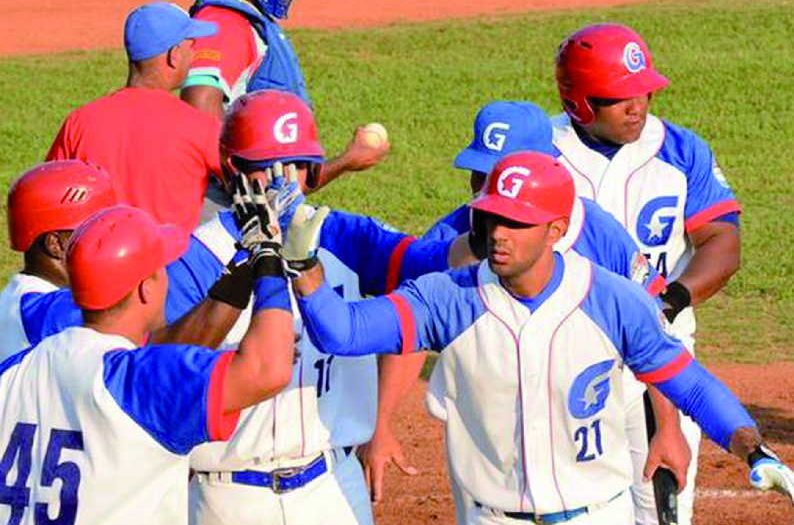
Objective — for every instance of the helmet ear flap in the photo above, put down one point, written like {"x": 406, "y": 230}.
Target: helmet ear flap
{"x": 581, "y": 111}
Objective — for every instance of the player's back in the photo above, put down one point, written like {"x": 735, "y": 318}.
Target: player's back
{"x": 13, "y": 336}
{"x": 69, "y": 452}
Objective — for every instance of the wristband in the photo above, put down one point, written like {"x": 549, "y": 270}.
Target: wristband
{"x": 234, "y": 286}
{"x": 268, "y": 266}
{"x": 676, "y": 297}
{"x": 271, "y": 292}
{"x": 761, "y": 452}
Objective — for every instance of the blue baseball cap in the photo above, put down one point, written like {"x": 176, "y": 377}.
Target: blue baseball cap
{"x": 504, "y": 127}
{"x": 153, "y": 29}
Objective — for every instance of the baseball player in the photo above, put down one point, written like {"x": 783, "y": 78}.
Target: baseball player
{"x": 96, "y": 427}
{"x": 535, "y": 340}
{"x": 501, "y": 128}
{"x": 659, "y": 180}
{"x": 250, "y": 52}
{"x": 152, "y": 144}
{"x": 292, "y": 458}
{"x": 45, "y": 205}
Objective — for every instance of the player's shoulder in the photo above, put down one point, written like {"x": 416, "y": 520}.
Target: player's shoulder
{"x": 614, "y": 292}
{"x": 682, "y": 147}
{"x": 227, "y": 18}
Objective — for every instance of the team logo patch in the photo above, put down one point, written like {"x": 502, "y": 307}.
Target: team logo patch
{"x": 495, "y": 135}
{"x": 285, "y": 130}
{"x": 633, "y": 57}
{"x": 511, "y": 180}
{"x": 656, "y": 219}
{"x": 590, "y": 390}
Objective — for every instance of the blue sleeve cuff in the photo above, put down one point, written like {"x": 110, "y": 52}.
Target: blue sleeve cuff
{"x": 271, "y": 292}
{"x": 708, "y": 401}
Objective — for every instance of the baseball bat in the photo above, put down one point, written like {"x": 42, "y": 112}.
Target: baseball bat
{"x": 665, "y": 486}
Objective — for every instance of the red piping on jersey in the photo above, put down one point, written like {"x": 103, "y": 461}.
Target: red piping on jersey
{"x": 656, "y": 286}
{"x": 407, "y": 322}
{"x": 300, "y": 389}
{"x": 668, "y": 371}
{"x": 712, "y": 212}
{"x": 525, "y": 490}
{"x": 550, "y": 390}
{"x": 396, "y": 263}
{"x": 220, "y": 424}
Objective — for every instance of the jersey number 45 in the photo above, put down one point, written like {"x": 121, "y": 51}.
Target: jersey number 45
{"x": 19, "y": 453}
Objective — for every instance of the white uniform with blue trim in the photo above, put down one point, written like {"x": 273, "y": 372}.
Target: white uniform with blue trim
{"x": 19, "y": 291}
{"x": 329, "y": 407}
{"x": 94, "y": 430}
{"x": 660, "y": 187}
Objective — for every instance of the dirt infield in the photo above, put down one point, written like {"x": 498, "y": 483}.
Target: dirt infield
{"x": 47, "y": 26}
{"x": 723, "y": 496}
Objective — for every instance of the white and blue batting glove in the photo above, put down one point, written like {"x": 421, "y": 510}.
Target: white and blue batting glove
{"x": 770, "y": 473}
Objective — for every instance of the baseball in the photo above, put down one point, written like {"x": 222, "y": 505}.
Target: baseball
{"x": 375, "y": 135}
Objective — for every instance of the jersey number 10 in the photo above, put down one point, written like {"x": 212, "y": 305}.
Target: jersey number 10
{"x": 19, "y": 452}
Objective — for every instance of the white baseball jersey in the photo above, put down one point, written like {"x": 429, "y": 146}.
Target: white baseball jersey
{"x": 660, "y": 187}
{"x": 94, "y": 430}
{"x": 18, "y": 312}
{"x": 533, "y": 389}
{"x": 331, "y": 402}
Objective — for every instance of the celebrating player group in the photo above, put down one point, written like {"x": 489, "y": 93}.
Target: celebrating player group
{"x": 189, "y": 340}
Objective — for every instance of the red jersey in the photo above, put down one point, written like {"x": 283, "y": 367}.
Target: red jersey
{"x": 158, "y": 150}
{"x": 230, "y": 56}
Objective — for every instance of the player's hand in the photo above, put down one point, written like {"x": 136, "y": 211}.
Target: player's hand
{"x": 772, "y": 474}
{"x": 668, "y": 449}
{"x": 303, "y": 238}
{"x": 257, "y": 221}
{"x": 360, "y": 154}
{"x": 376, "y": 455}
{"x": 283, "y": 192}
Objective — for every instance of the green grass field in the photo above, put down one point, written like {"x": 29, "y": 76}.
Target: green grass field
{"x": 730, "y": 63}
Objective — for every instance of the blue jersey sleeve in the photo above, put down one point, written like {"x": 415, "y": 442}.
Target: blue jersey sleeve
{"x": 426, "y": 313}
{"x": 708, "y": 401}
{"x": 448, "y": 228}
{"x": 191, "y": 276}
{"x": 45, "y": 314}
{"x": 636, "y": 326}
{"x": 709, "y": 196}
{"x": 173, "y": 392}
{"x": 606, "y": 242}
{"x": 381, "y": 256}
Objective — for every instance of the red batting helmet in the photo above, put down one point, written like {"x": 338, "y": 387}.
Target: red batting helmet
{"x": 114, "y": 250}
{"x": 604, "y": 61}
{"x": 527, "y": 187}
{"x": 266, "y": 126}
{"x": 55, "y": 195}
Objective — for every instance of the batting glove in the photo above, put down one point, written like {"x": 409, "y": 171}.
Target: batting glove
{"x": 283, "y": 192}
{"x": 769, "y": 473}
{"x": 303, "y": 238}
{"x": 258, "y": 223}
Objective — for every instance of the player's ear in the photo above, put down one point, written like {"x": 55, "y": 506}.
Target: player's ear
{"x": 557, "y": 230}
{"x": 147, "y": 289}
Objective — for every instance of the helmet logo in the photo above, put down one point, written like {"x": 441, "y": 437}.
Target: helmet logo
{"x": 633, "y": 57}
{"x": 285, "y": 130}
{"x": 495, "y": 135}
{"x": 511, "y": 180}
{"x": 74, "y": 194}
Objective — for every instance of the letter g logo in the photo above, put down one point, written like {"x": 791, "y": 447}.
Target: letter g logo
{"x": 285, "y": 130}
{"x": 511, "y": 180}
